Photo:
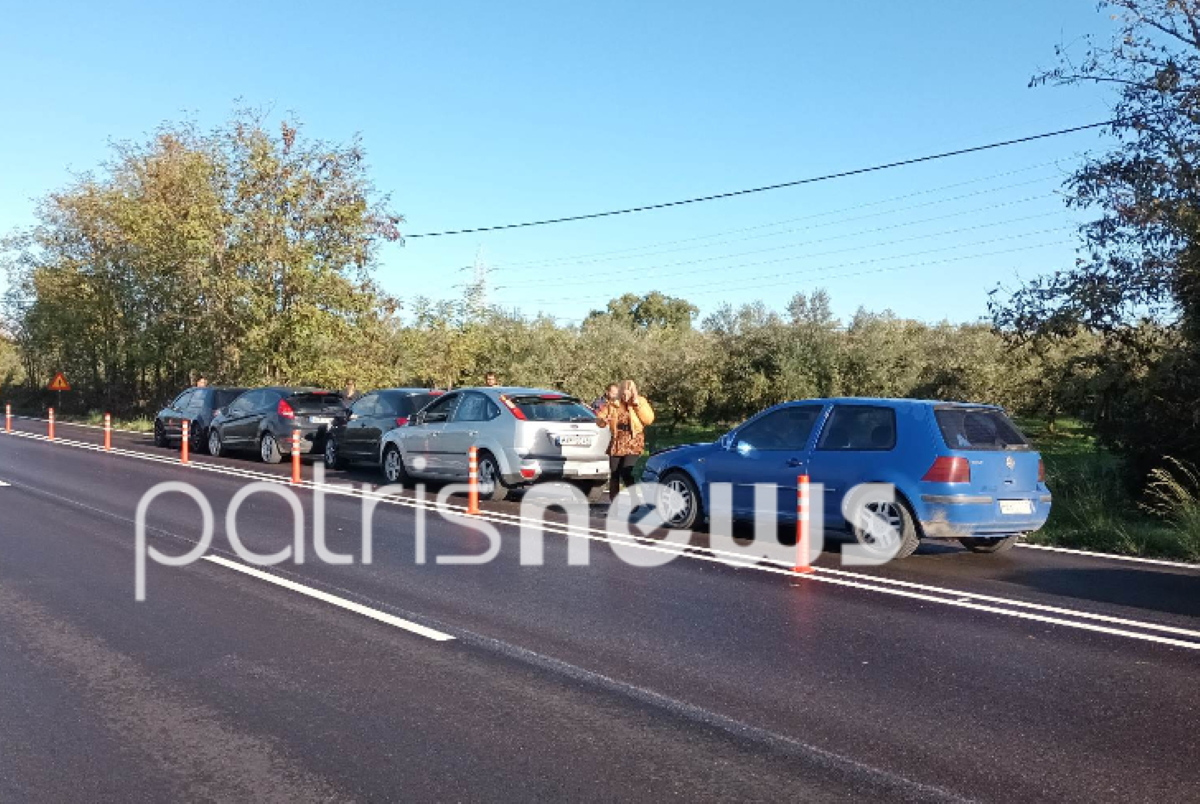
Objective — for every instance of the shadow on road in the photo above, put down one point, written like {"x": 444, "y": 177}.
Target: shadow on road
{"x": 1153, "y": 590}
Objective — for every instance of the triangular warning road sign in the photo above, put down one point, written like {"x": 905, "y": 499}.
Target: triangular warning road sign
{"x": 59, "y": 383}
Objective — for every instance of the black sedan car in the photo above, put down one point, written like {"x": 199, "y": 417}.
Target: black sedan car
{"x": 264, "y": 420}
{"x": 199, "y": 406}
{"x": 358, "y": 432}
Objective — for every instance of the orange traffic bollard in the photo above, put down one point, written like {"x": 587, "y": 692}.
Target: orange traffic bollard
{"x": 107, "y": 432}
{"x": 295, "y": 456}
{"x": 51, "y": 433}
{"x": 7, "y": 418}
{"x": 473, "y": 480}
{"x": 184, "y": 439}
{"x": 802, "y": 525}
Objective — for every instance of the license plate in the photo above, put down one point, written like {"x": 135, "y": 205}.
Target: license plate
{"x": 573, "y": 441}
{"x": 1016, "y": 506}
{"x": 321, "y": 419}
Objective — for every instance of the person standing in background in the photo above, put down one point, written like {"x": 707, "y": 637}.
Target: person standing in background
{"x": 627, "y": 416}
{"x": 351, "y": 392}
{"x": 611, "y": 394}
{"x": 490, "y": 380}
{"x": 201, "y": 382}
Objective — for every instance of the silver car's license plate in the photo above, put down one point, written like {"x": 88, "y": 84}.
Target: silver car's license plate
{"x": 321, "y": 419}
{"x": 573, "y": 440}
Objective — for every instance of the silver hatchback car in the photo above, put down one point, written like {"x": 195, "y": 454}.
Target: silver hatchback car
{"x": 523, "y": 435}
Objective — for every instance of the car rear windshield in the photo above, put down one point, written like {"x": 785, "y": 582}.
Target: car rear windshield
{"x": 316, "y": 402}
{"x": 548, "y": 408}
{"x": 979, "y": 429}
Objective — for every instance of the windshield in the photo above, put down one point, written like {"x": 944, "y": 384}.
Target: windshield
{"x": 979, "y": 429}
{"x": 547, "y": 408}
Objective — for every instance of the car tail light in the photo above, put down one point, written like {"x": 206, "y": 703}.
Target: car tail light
{"x": 1041, "y": 471}
{"x": 948, "y": 469}
{"x": 285, "y": 410}
{"x": 402, "y": 421}
{"x": 529, "y": 474}
{"x": 516, "y": 411}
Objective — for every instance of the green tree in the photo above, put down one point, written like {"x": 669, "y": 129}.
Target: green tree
{"x": 1139, "y": 265}
{"x": 244, "y": 254}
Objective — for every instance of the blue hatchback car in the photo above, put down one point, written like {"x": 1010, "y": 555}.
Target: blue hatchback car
{"x": 960, "y": 471}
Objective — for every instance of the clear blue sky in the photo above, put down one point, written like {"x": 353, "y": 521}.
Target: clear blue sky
{"x": 478, "y": 113}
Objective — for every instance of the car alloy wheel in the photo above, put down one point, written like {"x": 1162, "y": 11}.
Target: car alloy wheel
{"x": 678, "y": 501}
{"x": 890, "y": 513}
{"x": 331, "y": 456}
{"x": 214, "y": 443}
{"x": 268, "y": 449}
{"x": 160, "y": 435}
{"x": 393, "y": 466}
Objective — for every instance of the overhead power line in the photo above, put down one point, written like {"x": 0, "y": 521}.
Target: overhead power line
{"x": 781, "y": 185}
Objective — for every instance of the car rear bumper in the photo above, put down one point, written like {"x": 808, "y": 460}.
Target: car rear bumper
{"x": 312, "y": 440}
{"x": 957, "y": 516}
{"x": 533, "y": 470}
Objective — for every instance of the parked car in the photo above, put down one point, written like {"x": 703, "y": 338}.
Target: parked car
{"x": 357, "y": 434}
{"x": 198, "y": 406}
{"x": 524, "y": 436}
{"x": 264, "y": 420}
{"x": 961, "y": 471}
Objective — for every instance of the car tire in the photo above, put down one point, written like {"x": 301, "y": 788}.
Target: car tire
{"x": 981, "y": 544}
{"x": 332, "y": 457}
{"x": 268, "y": 448}
{"x": 160, "y": 435}
{"x": 392, "y": 466}
{"x": 198, "y": 442}
{"x": 215, "y": 447}
{"x": 902, "y": 519}
{"x": 491, "y": 485}
{"x": 691, "y": 511}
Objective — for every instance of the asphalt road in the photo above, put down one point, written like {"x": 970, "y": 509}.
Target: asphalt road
{"x": 1033, "y": 675}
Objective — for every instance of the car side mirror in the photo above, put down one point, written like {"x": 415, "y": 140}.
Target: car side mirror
{"x": 726, "y": 441}
{"x": 351, "y": 417}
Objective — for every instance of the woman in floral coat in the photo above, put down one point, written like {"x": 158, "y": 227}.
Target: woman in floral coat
{"x": 628, "y": 417}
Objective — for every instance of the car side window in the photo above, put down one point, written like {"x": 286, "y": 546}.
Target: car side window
{"x": 197, "y": 402}
{"x": 858, "y": 428}
{"x": 473, "y": 408}
{"x": 784, "y": 429}
{"x": 367, "y": 406}
{"x": 241, "y": 404}
{"x": 441, "y": 410}
{"x": 267, "y": 400}
{"x": 386, "y": 406}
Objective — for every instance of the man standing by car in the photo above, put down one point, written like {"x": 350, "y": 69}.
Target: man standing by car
{"x": 490, "y": 380}
{"x": 350, "y": 394}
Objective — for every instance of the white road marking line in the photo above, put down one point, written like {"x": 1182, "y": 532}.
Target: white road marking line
{"x": 60, "y": 422}
{"x": 1162, "y": 562}
{"x": 3, "y": 484}
{"x": 930, "y": 594}
{"x": 334, "y": 600}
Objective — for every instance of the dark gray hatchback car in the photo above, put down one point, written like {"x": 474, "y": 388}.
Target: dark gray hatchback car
{"x": 264, "y": 420}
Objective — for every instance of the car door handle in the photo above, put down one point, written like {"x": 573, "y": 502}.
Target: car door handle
{"x": 472, "y": 433}
{"x": 795, "y": 462}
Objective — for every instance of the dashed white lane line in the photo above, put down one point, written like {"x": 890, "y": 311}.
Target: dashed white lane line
{"x": 3, "y": 484}
{"x": 915, "y": 591}
{"x": 333, "y": 600}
